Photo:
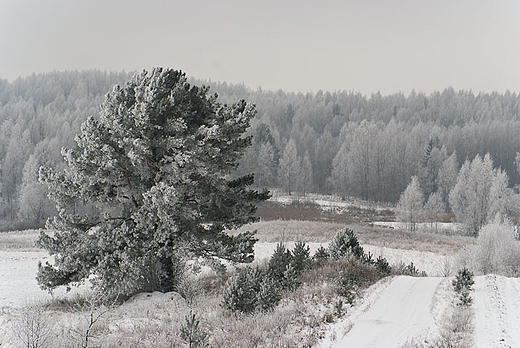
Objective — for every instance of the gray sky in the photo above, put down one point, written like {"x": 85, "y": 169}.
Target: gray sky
{"x": 361, "y": 45}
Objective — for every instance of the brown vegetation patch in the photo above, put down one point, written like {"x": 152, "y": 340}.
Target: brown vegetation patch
{"x": 310, "y": 211}
{"x": 19, "y": 240}
{"x": 323, "y": 232}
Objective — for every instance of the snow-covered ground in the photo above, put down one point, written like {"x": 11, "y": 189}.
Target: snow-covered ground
{"x": 394, "y": 313}
{"x": 404, "y": 308}
{"x": 497, "y": 311}
{"x": 391, "y": 312}
{"x": 329, "y": 202}
{"x": 444, "y": 227}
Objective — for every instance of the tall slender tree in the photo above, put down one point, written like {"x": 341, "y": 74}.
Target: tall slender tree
{"x": 410, "y": 205}
{"x": 290, "y": 167}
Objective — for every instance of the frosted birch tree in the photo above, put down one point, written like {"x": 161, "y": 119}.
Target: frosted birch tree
{"x": 479, "y": 194}
{"x": 306, "y": 174}
{"x": 290, "y": 167}
{"x": 434, "y": 209}
{"x": 410, "y": 205}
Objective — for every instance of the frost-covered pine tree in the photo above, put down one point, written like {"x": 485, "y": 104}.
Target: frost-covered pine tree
{"x": 156, "y": 165}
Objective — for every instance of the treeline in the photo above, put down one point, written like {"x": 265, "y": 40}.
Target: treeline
{"x": 331, "y": 142}
{"x": 39, "y": 115}
{"x": 370, "y": 147}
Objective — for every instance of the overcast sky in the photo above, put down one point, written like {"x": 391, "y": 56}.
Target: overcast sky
{"x": 360, "y": 45}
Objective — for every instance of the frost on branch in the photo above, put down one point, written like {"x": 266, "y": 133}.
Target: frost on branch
{"x": 156, "y": 168}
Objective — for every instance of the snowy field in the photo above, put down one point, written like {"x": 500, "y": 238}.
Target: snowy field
{"x": 18, "y": 269}
{"x": 329, "y": 202}
{"x": 392, "y": 312}
{"x": 440, "y": 227}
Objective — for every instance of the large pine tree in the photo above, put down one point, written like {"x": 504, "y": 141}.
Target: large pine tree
{"x": 156, "y": 166}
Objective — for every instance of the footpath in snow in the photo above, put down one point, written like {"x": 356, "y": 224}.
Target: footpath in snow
{"x": 496, "y": 302}
{"x": 402, "y": 311}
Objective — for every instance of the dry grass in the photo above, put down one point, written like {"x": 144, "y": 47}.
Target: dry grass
{"x": 153, "y": 320}
{"x": 298, "y": 321}
{"x": 323, "y": 232}
{"x": 19, "y": 240}
{"x": 308, "y": 210}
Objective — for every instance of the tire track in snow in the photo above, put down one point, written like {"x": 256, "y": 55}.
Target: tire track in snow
{"x": 403, "y": 311}
{"x": 497, "y": 311}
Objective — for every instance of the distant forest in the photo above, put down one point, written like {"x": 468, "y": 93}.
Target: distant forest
{"x": 328, "y": 142}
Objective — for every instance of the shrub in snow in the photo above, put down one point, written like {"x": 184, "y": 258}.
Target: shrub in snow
{"x": 345, "y": 243}
{"x": 346, "y": 286}
{"x": 34, "y": 328}
{"x": 256, "y": 289}
{"x": 383, "y": 266}
{"x": 301, "y": 257}
{"x": 463, "y": 285}
{"x": 497, "y": 250}
{"x": 156, "y": 166}
{"x": 268, "y": 296}
{"x": 251, "y": 290}
{"x": 367, "y": 258}
{"x": 463, "y": 280}
{"x": 410, "y": 270}
{"x": 285, "y": 267}
{"x": 190, "y": 332}
{"x": 278, "y": 263}
{"x": 321, "y": 254}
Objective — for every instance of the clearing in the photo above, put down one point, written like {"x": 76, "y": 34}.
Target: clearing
{"x": 392, "y": 311}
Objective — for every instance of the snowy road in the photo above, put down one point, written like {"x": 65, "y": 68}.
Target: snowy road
{"x": 497, "y": 311}
{"x": 401, "y": 312}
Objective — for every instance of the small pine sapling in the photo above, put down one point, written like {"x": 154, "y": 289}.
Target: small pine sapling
{"x": 321, "y": 254}
{"x": 190, "y": 332}
{"x": 463, "y": 285}
{"x": 301, "y": 257}
{"x": 367, "y": 258}
{"x": 242, "y": 290}
{"x": 278, "y": 264}
{"x": 345, "y": 243}
{"x": 291, "y": 279}
{"x": 268, "y": 296}
{"x": 382, "y": 266}
{"x": 463, "y": 280}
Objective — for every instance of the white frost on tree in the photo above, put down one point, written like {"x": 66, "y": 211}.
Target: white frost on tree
{"x": 290, "y": 167}
{"x": 157, "y": 165}
{"x": 434, "y": 209}
{"x": 447, "y": 178}
{"x": 410, "y": 205}
{"x": 306, "y": 174}
{"x": 340, "y": 170}
{"x": 479, "y": 194}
